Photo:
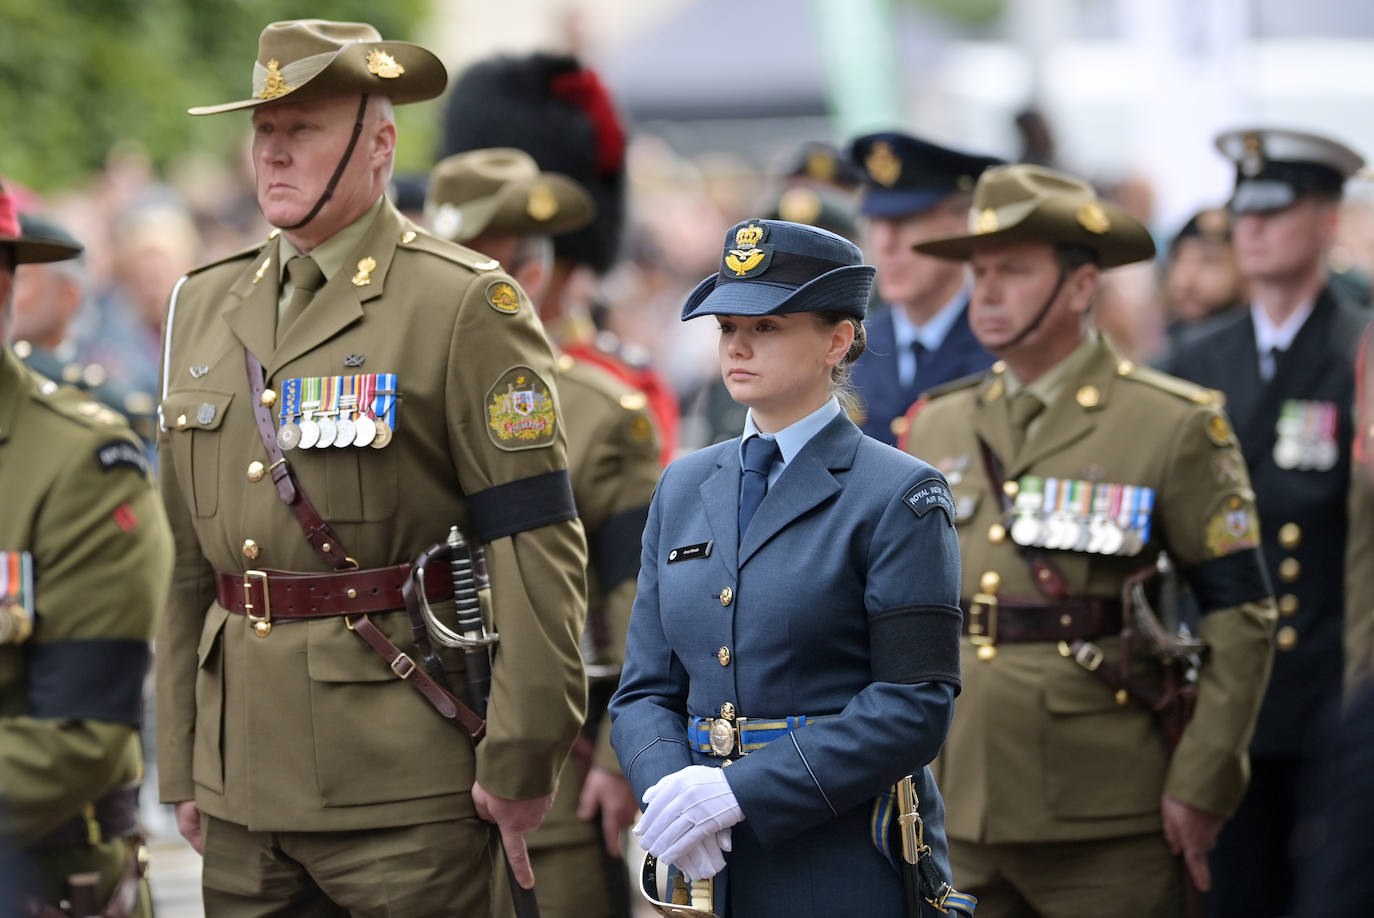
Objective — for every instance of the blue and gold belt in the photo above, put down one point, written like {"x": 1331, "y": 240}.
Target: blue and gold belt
{"x": 730, "y": 737}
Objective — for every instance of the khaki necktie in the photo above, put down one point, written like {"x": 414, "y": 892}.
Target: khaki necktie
{"x": 306, "y": 278}
{"x": 1022, "y": 408}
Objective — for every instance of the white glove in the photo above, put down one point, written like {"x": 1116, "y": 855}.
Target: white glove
{"x": 706, "y": 859}
{"x": 685, "y": 809}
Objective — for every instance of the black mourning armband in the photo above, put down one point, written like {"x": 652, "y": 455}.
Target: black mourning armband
{"x": 526, "y": 503}
{"x": 1230, "y": 580}
{"x": 96, "y": 679}
{"x": 616, "y": 547}
{"x": 913, "y": 644}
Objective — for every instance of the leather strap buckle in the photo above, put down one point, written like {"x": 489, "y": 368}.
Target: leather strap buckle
{"x": 262, "y": 624}
{"x": 982, "y": 620}
{"x": 1085, "y": 654}
{"x": 403, "y": 666}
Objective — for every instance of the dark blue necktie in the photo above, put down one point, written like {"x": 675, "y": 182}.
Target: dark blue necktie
{"x": 919, "y": 351}
{"x": 759, "y": 455}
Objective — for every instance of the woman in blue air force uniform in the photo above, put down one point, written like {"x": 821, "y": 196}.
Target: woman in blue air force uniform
{"x": 819, "y": 630}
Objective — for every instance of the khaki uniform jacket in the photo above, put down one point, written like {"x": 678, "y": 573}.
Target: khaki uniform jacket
{"x": 613, "y": 459}
{"x": 77, "y": 495}
{"x": 307, "y": 728}
{"x": 1040, "y": 750}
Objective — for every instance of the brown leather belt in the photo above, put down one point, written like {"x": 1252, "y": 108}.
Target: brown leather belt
{"x": 115, "y": 815}
{"x": 1000, "y": 620}
{"x": 277, "y": 596}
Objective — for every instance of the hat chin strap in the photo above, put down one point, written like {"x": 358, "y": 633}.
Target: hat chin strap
{"x": 338, "y": 172}
{"x": 1039, "y": 316}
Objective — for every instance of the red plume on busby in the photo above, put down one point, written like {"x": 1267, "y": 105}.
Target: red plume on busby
{"x": 560, "y": 113}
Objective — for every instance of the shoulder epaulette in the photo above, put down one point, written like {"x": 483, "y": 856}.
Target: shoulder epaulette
{"x": 248, "y": 252}
{"x": 1198, "y": 395}
{"x": 596, "y": 378}
{"x": 954, "y": 385}
{"x": 72, "y": 404}
{"x": 450, "y": 251}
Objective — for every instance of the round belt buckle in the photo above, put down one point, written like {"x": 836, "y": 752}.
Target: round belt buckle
{"x": 722, "y": 737}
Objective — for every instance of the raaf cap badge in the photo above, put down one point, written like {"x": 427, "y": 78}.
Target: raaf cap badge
{"x": 883, "y": 165}
{"x": 749, "y": 257}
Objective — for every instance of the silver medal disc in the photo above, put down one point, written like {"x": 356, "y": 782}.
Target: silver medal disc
{"x": 366, "y": 431}
{"x": 289, "y": 436}
{"x": 1324, "y": 454}
{"x": 310, "y": 433}
{"x": 1111, "y": 539}
{"x": 345, "y": 434}
{"x": 1288, "y": 453}
{"x": 327, "y": 433}
{"x": 1025, "y": 530}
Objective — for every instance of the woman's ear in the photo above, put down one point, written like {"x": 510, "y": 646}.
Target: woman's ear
{"x": 841, "y": 339}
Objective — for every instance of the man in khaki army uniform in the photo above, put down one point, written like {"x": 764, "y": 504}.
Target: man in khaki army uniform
{"x": 1359, "y": 549}
{"x": 312, "y": 445}
{"x": 85, "y": 557}
{"x": 498, "y": 202}
{"x": 1072, "y": 470}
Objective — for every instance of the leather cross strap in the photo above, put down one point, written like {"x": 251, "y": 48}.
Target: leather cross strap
{"x": 318, "y": 533}
{"x": 288, "y": 595}
{"x": 403, "y": 666}
{"x": 1047, "y": 576}
{"x": 324, "y": 540}
{"x": 1070, "y": 619}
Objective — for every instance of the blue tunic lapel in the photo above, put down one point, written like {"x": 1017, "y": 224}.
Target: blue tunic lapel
{"x": 805, "y": 483}
{"x": 720, "y": 498}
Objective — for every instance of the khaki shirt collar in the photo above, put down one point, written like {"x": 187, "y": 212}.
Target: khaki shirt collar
{"x": 330, "y": 254}
{"x": 1050, "y": 385}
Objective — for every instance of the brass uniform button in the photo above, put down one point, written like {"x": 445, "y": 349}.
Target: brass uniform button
{"x": 181, "y": 422}
{"x": 1290, "y": 569}
{"x": 251, "y": 550}
{"x": 351, "y": 593}
{"x": 326, "y": 546}
{"x": 999, "y": 367}
{"x": 256, "y": 470}
{"x": 1088, "y": 396}
{"x": 990, "y": 582}
{"x": 1122, "y": 696}
{"x": 986, "y": 652}
{"x": 1287, "y": 637}
{"x": 1125, "y": 368}
{"x": 262, "y": 629}
{"x": 1011, "y": 488}
{"x": 727, "y": 711}
{"x": 1065, "y": 620}
{"x": 1288, "y": 604}
{"x": 723, "y": 655}
{"x": 727, "y": 596}
{"x": 997, "y": 533}
{"x": 1290, "y": 536}
{"x": 268, "y": 398}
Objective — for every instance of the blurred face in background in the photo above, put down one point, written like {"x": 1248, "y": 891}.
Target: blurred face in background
{"x": 1283, "y": 245}
{"x": 905, "y": 276}
{"x": 1202, "y": 278}
{"x": 46, "y": 298}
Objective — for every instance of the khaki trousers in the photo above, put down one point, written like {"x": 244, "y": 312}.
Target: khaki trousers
{"x": 1132, "y": 877}
{"x": 569, "y": 882}
{"x": 437, "y": 869}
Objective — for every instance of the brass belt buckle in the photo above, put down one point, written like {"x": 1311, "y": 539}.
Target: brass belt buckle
{"x": 982, "y": 625}
{"x": 262, "y": 624}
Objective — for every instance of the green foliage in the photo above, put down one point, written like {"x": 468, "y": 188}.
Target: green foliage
{"x": 77, "y": 76}
{"x": 968, "y": 12}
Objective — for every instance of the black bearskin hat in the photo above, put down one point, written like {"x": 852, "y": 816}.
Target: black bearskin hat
{"x": 560, "y": 113}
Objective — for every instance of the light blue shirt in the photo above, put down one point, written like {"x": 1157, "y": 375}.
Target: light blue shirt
{"x": 1270, "y": 337}
{"x": 931, "y": 333}
{"x": 791, "y": 438}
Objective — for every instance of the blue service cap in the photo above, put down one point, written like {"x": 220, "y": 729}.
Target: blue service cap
{"x": 770, "y": 267}
{"x": 905, "y": 175}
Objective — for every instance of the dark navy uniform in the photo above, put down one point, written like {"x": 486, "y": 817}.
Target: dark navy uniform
{"x": 1295, "y": 428}
{"x": 886, "y": 397}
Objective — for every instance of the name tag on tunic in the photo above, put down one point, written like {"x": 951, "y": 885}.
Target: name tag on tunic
{"x": 690, "y": 552}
